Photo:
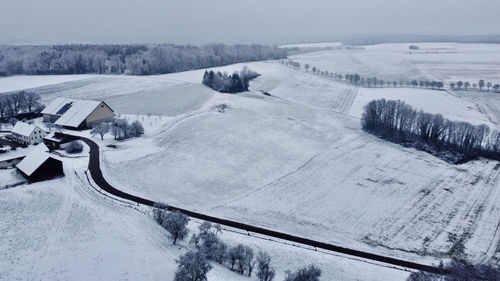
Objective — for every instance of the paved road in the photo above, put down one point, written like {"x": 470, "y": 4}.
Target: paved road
{"x": 96, "y": 173}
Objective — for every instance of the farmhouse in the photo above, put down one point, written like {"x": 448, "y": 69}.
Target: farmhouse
{"x": 77, "y": 114}
{"x": 26, "y": 134}
{"x": 40, "y": 165}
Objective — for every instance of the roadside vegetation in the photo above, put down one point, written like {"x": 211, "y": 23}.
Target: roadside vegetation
{"x": 145, "y": 59}
{"x": 206, "y": 246}
{"x": 481, "y": 84}
{"x": 374, "y": 82}
{"x": 460, "y": 270}
{"x": 453, "y": 141}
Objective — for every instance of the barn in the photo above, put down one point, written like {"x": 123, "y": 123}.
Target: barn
{"x": 77, "y": 113}
{"x": 40, "y": 165}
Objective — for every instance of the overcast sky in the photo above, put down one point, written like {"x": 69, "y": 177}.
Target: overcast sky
{"x": 231, "y": 21}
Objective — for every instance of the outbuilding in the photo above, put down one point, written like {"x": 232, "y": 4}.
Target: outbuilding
{"x": 40, "y": 165}
{"x": 57, "y": 140}
{"x": 77, "y": 113}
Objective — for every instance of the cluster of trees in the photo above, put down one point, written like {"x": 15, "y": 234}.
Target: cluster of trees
{"x": 127, "y": 59}
{"x": 224, "y": 83}
{"x": 460, "y": 85}
{"x": 119, "y": 128}
{"x": 461, "y": 270}
{"x": 12, "y": 104}
{"x": 399, "y": 122}
{"x": 194, "y": 265}
{"x": 290, "y": 63}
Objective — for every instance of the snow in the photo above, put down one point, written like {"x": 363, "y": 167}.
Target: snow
{"x": 439, "y": 61}
{"x": 16, "y": 83}
{"x": 422, "y": 99}
{"x": 9, "y": 176}
{"x": 296, "y": 161}
{"x": 78, "y": 234}
{"x": 314, "y": 45}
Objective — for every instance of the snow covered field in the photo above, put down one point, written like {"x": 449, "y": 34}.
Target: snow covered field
{"x": 295, "y": 161}
{"x": 64, "y": 230}
{"x": 15, "y": 83}
{"x": 439, "y": 61}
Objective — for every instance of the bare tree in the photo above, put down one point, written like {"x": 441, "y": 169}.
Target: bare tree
{"x": 175, "y": 223}
{"x": 264, "y": 270}
{"x": 101, "y": 130}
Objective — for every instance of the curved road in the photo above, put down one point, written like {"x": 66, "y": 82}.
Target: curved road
{"x": 97, "y": 176}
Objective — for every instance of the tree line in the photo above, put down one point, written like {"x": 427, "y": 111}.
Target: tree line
{"x": 15, "y": 103}
{"x": 130, "y": 59}
{"x": 119, "y": 128}
{"x": 460, "y": 85}
{"x": 453, "y": 141}
{"x": 224, "y": 83}
{"x": 209, "y": 247}
{"x": 358, "y": 80}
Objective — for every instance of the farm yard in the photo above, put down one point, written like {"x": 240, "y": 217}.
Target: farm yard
{"x": 295, "y": 160}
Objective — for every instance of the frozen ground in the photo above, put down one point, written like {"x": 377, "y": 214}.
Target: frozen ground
{"x": 440, "y": 61}
{"x": 298, "y": 162}
{"x": 64, "y": 230}
{"x": 15, "y": 83}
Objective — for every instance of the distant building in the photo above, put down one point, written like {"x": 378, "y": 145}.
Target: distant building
{"x": 77, "y": 114}
{"x": 26, "y": 134}
{"x": 39, "y": 165}
{"x": 56, "y": 140}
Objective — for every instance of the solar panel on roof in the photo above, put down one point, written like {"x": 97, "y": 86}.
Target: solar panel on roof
{"x": 64, "y": 108}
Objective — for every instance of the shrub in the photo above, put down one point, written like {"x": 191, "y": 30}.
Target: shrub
{"x": 74, "y": 147}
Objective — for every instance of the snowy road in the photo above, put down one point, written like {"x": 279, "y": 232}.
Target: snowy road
{"x": 97, "y": 176}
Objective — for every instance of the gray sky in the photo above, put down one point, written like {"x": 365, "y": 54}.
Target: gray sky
{"x": 231, "y": 21}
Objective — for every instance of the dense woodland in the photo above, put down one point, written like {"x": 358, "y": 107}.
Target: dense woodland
{"x": 453, "y": 141}
{"x": 126, "y": 59}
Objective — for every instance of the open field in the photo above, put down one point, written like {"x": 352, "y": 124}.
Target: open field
{"x": 76, "y": 234}
{"x": 295, "y": 161}
{"x": 440, "y": 61}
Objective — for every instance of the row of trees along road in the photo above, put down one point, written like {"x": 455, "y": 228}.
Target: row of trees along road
{"x": 131, "y": 59}
{"x": 453, "y": 141}
{"x": 358, "y": 80}
{"x": 481, "y": 84}
{"x": 208, "y": 246}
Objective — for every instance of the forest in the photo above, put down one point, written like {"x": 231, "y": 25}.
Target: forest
{"x": 146, "y": 59}
{"x": 452, "y": 141}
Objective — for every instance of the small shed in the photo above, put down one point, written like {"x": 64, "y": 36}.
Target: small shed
{"x": 40, "y": 165}
{"x": 57, "y": 140}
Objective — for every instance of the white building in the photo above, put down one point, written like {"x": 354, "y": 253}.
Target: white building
{"x": 26, "y": 134}
{"x": 77, "y": 114}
